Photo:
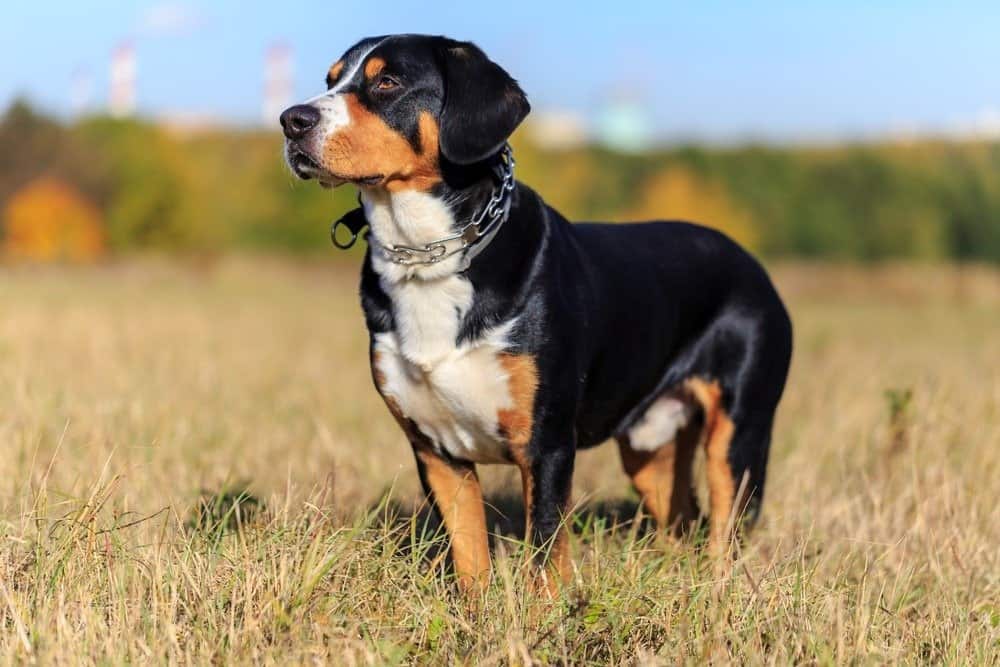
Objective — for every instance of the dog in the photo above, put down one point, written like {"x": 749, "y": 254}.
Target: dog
{"x": 502, "y": 333}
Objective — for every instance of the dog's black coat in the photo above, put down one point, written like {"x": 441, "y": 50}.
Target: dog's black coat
{"x": 614, "y": 315}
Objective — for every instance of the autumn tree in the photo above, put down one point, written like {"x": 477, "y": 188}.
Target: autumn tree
{"x": 48, "y": 220}
{"x": 678, "y": 193}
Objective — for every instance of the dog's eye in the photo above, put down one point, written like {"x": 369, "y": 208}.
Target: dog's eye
{"x": 386, "y": 82}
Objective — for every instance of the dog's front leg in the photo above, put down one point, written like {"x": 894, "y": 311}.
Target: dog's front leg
{"x": 454, "y": 491}
{"x": 547, "y": 480}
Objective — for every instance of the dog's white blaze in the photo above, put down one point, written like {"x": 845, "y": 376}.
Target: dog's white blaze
{"x": 333, "y": 116}
{"x": 659, "y": 424}
{"x": 452, "y": 392}
{"x": 345, "y": 79}
{"x": 332, "y": 106}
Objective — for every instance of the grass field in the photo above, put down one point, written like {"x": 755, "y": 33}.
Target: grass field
{"x": 130, "y": 392}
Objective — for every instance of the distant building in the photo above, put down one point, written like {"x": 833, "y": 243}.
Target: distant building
{"x": 277, "y": 83}
{"x": 556, "y": 129}
{"x": 190, "y": 123}
{"x": 121, "y": 101}
{"x": 985, "y": 125}
{"x": 624, "y": 124}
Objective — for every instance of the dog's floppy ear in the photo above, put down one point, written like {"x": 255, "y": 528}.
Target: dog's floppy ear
{"x": 482, "y": 104}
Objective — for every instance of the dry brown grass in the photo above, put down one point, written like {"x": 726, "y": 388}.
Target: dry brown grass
{"x": 129, "y": 390}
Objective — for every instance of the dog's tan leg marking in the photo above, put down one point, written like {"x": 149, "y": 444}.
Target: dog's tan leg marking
{"x": 663, "y": 479}
{"x": 516, "y": 424}
{"x": 516, "y": 421}
{"x": 455, "y": 490}
{"x": 721, "y": 482}
{"x": 459, "y": 498}
{"x": 559, "y": 556}
{"x": 652, "y": 475}
{"x": 558, "y": 567}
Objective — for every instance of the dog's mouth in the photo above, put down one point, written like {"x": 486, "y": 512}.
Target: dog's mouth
{"x": 304, "y": 166}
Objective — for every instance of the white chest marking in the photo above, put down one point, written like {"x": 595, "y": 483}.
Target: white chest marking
{"x": 455, "y": 401}
{"x": 453, "y": 393}
{"x": 408, "y": 218}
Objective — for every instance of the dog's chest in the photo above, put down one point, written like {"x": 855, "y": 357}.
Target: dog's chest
{"x": 458, "y": 396}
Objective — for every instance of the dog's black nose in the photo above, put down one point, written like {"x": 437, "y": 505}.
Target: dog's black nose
{"x": 298, "y": 120}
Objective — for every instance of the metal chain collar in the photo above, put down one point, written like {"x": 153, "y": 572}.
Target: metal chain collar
{"x": 485, "y": 224}
{"x": 474, "y": 236}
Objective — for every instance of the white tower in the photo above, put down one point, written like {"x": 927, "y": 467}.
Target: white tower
{"x": 277, "y": 83}
{"x": 121, "y": 102}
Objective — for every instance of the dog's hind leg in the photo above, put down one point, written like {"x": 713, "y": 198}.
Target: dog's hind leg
{"x": 658, "y": 455}
{"x": 736, "y": 449}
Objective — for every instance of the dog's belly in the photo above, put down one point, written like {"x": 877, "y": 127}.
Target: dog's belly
{"x": 457, "y": 402}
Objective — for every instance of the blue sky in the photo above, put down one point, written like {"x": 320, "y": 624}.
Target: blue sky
{"x": 715, "y": 70}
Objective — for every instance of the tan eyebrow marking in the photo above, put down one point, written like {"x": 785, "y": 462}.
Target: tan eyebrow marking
{"x": 335, "y": 70}
{"x": 373, "y": 67}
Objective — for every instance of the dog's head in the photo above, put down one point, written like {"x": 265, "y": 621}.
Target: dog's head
{"x": 396, "y": 107}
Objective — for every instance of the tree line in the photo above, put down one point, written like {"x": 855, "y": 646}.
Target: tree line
{"x": 149, "y": 187}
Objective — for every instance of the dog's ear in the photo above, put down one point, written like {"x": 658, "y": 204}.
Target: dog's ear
{"x": 482, "y": 104}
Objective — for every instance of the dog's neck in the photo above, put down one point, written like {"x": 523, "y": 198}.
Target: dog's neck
{"x": 415, "y": 218}
{"x": 429, "y": 301}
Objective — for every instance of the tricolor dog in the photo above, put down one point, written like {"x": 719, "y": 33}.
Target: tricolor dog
{"x": 502, "y": 333}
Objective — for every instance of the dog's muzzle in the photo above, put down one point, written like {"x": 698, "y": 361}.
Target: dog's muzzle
{"x": 297, "y": 123}
{"x": 298, "y": 120}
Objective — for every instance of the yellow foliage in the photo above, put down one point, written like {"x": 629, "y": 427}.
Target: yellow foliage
{"x": 677, "y": 193}
{"x": 48, "y": 220}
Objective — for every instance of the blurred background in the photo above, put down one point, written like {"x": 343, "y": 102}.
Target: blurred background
{"x": 846, "y": 131}
{"x": 183, "y": 357}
